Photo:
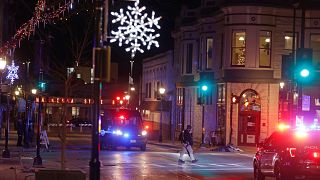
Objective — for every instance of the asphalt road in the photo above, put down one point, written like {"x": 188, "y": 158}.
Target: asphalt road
{"x": 158, "y": 162}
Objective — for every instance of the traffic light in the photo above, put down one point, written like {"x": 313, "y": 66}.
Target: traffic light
{"x": 204, "y": 88}
{"x": 42, "y": 86}
{"x": 203, "y": 93}
{"x": 304, "y": 68}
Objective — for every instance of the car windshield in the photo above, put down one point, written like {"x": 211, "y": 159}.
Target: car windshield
{"x": 121, "y": 118}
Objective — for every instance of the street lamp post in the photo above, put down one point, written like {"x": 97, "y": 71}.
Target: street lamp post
{"x": 5, "y": 152}
{"x": 161, "y": 91}
{"x": 37, "y": 161}
{"x": 204, "y": 89}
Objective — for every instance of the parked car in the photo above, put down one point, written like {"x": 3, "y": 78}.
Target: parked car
{"x": 122, "y": 127}
{"x": 77, "y": 121}
{"x": 289, "y": 154}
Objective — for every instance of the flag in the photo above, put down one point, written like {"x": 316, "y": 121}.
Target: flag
{"x": 130, "y": 80}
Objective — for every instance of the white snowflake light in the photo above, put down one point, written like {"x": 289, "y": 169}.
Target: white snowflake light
{"x": 136, "y": 29}
{"x": 12, "y": 72}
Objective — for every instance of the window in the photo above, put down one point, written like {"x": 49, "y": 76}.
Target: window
{"x": 180, "y": 96}
{"x": 156, "y": 92}
{"x": 221, "y": 106}
{"x": 189, "y": 54}
{"x": 288, "y": 40}
{"x": 315, "y": 45}
{"x": 49, "y": 110}
{"x": 209, "y": 53}
{"x": 265, "y": 49}
{"x": 75, "y": 111}
{"x": 147, "y": 90}
{"x": 238, "y": 48}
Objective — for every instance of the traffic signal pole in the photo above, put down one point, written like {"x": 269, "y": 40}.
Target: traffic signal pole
{"x": 299, "y": 85}
{"x": 101, "y": 8}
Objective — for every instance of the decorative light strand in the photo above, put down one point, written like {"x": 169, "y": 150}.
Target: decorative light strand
{"x": 136, "y": 29}
{"x": 12, "y": 72}
{"x": 28, "y": 28}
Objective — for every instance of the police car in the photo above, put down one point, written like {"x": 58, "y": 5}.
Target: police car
{"x": 289, "y": 154}
{"x": 122, "y": 127}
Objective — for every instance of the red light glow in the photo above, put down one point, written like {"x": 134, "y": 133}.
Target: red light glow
{"x": 121, "y": 117}
{"x": 316, "y": 154}
{"x": 292, "y": 151}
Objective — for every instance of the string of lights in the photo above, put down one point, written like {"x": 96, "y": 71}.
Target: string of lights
{"x": 41, "y": 15}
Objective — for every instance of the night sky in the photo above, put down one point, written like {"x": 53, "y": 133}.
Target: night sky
{"x": 74, "y": 25}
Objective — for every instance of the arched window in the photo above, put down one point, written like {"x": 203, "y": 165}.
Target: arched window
{"x": 250, "y": 101}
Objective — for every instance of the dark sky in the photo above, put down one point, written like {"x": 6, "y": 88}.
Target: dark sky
{"x": 77, "y": 19}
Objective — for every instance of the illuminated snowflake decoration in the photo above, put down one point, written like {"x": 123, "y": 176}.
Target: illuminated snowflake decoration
{"x": 135, "y": 29}
{"x": 12, "y": 72}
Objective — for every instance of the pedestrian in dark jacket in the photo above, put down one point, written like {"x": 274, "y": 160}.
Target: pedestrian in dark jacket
{"x": 187, "y": 143}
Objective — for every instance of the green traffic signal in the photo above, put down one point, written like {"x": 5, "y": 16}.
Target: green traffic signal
{"x": 304, "y": 73}
{"x": 204, "y": 87}
{"x": 42, "y": 86}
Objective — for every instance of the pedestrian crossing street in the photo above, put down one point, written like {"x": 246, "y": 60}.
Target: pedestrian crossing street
{"x": 187, "y": 165}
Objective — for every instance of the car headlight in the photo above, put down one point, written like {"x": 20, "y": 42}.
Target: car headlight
{"x": 144, "y": 133}
{"x": 117, "y": 132}
{"x": 126, "y": 135}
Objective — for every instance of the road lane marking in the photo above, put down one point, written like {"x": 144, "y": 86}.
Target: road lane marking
{"x": 219, "y": 169}
{"x": 157, "y": 165}
{"x": 219, "y": 165}
{"x": 199, "y": 165}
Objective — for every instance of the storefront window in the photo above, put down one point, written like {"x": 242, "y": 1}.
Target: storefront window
{"x": 75, "y": 111}
{"x": 239, "y": 48}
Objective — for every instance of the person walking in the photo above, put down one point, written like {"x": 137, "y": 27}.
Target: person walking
{"x": 187, "y": 142}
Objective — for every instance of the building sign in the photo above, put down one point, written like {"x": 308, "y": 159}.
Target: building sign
{"x": 305, "y": 103}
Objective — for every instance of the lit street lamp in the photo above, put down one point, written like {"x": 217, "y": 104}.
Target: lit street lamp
{"x": 37, "y": 161}
{"x": 161, "y": 91}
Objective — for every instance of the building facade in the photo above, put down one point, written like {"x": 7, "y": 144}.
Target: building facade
{"x": 156, "y": 108}
{"x": 237, "y": 47}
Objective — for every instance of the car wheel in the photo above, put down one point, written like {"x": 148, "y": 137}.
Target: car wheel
{"x": 143, "y": 147}
{"x": 257, "y": 173}
{"x": 280, "y": 174}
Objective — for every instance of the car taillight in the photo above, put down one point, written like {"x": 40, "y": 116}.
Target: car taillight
{"x": 316, "y": 154}
{"x": 292, "y": 151}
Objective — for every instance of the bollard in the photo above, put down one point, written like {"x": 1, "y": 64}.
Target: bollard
{"x": 80, "y": 127}
{"x": 48, "y": 127}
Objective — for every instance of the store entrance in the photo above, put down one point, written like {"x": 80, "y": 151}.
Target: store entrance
{"x": 249, "y": 118}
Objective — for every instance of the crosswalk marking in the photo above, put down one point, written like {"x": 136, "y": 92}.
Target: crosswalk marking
{"x": 202, "y": 166}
